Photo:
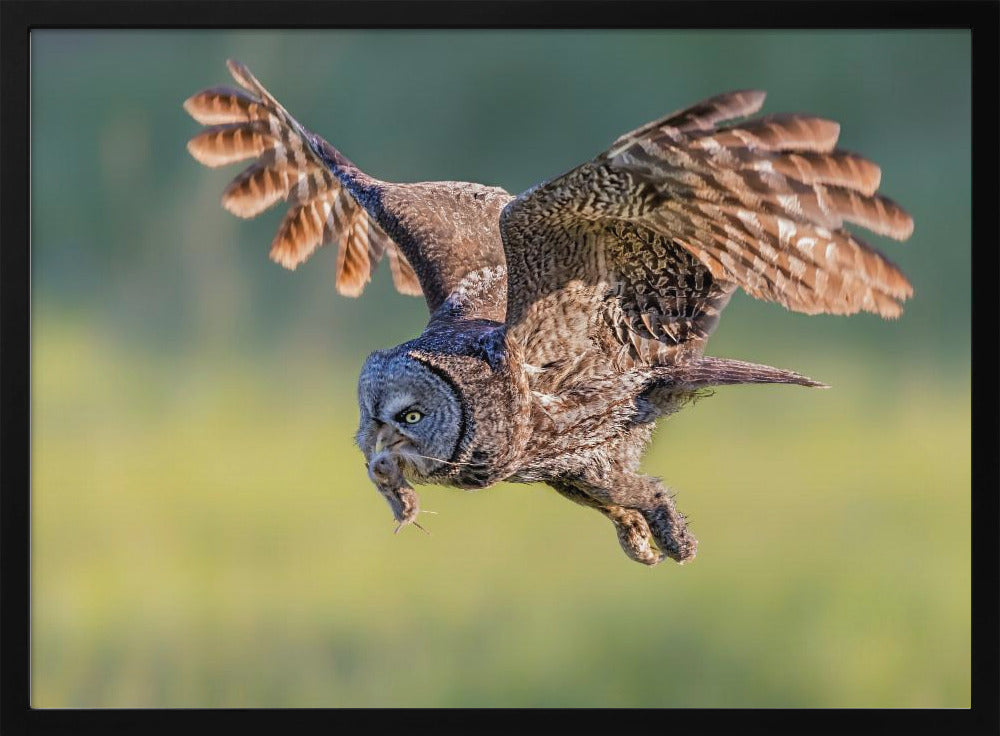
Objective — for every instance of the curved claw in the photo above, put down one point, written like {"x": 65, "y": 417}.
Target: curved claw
{"x": 670, "y": 533}
{"x": 634, "y": 535}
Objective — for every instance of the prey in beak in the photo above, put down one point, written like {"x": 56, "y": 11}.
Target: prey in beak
{"x": 388, "y": 440}
{"x": 386, "y": 470}
{"x": 385, "y": 473}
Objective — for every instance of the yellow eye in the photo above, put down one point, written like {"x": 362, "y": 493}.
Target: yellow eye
{"x": 412, "y": 416}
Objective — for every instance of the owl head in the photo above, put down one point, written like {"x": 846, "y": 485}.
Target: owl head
{"x": 451, "y": 416}
{"x": 411, "y": 409}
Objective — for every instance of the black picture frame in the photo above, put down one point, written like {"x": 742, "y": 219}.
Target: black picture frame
{"x": 18, "y": 18}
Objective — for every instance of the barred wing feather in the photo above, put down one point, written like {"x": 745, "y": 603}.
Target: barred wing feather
{"x": 655, "y": 234}
{"x": 249, "y": 123}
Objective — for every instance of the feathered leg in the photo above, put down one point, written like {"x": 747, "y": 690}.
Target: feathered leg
{"x": 643, "y": 514}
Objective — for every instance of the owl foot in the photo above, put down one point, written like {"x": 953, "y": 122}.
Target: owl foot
{"x": 669, "y": 529}
{"x": 633, "y": 535}
{"x": 650, "y": 528}
{"x": 650, "y": 537}
{"x": 666, "y": 525}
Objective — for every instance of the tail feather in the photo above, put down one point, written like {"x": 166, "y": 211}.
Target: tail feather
{"x": 704, "y": 372}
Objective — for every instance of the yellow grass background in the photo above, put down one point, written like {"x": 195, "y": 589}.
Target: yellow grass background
{"x": 203, "y": 536}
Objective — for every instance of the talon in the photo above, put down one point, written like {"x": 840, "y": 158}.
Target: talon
{"x": 670, "y": 533}
{"x": 634, "y": 535}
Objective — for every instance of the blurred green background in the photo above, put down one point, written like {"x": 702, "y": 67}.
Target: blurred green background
{"x": 203, "y": 530}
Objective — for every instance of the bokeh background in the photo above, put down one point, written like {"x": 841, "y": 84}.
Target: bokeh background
{"x": 203, "y": 530}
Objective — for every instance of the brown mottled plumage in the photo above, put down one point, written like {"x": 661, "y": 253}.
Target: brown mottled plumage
{"x": 566, "y": 320}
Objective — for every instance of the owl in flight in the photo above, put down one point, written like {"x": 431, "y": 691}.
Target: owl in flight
{"x": 566, "y": 320}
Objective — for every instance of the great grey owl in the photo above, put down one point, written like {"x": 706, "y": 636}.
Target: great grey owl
{"x": 566, "y": 320}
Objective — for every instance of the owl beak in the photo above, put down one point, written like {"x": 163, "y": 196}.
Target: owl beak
{"x": 385, "y": 436}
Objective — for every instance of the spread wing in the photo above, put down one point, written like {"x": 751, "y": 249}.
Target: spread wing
{"x": 297, "y": 167}
{"x": 634, "y": 254}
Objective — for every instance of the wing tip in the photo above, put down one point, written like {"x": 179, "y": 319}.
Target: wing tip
{"x": 240, "y": 73}
{"x": 195, "y": 106}
{"x": 409, "y": 290}
{"x": 350, "y": 288}
{"x": 742, "y": 102}
{"x": 902, "y": 228}
{"x": 195, "y": 149}
{"x": 284, "y": 256}
{"x": 240, "y": 207}
{"x": 754, "y": 98}
{"x": 203, "y": 153}
{"x": 190, "y": 106}
{"x": 892, "y": 313}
